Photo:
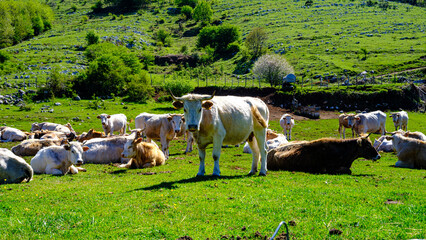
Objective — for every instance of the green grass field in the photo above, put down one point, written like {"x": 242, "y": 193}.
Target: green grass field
{"x": 377, "y": 201}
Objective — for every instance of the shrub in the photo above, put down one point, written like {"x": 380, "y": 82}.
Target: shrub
{"x": 309, "y": 3}
{"x": 256, "y": 41}
{"x": 97, "y": 7}
{"x": 272, "y": 68}
{"x": 187, "y": 11}
{"x": 73, "y": 8}
{"x": 84, "y": 19}
{"x": 203, "y": 12}
{"x": 57, "y": 85}
{"x": 191, "y": 3}
{"x": 92, "y": 38}
{"x": 163, "y": 36}
{"x": 218, "y": 37}
{"x": 4, "y": 56}
{"x": 138, "y": 89}
{"x": 179, "y": 87}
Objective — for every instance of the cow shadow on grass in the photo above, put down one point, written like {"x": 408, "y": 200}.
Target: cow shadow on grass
{"x": 173, "y": 184}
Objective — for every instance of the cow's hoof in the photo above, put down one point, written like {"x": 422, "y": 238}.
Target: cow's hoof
{"x": 262, "y": 174}
{"x": 200, "y": 175}
{"x": 216, "y": 175}
{"x": 251, "y": 173}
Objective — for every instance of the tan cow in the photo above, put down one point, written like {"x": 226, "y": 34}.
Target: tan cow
{"x": 89, "y": 135}
{"x": 400, "y": 120}
{"x": 142, "y": 154}
{"x": 346, "y": 121}
{"x": 411, "y": 152}
{"x": 30, "y": 147}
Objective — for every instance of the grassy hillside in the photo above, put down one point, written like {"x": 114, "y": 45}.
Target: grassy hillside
{"x": 326, "y": 38}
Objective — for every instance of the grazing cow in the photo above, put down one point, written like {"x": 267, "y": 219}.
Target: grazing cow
{"x": 370, "y": 123}
{"x": 382, "y": 144}
{"x": 9, "y": 134}
{"x": 346, "y": 121}
{"x": 13, "y": 169}
{"x": 271, "y": 143}
{"x": 51, "y": 127}
{"x": 142, "y": 154}
{"x": 226, "y": 120}
{"x": 30, "y": 147}
{"x": 161, "y": 127}
{"x": 105, "y": 150}
{"x": 89, "y": 135}
{"x": 411, "y": 152}
{"x": 287, "y": 123}
{"x": 59, "y": 160}
{"x": 326, "y": 155}
{"x": 112, "y": 123}
{"x": 400, "y": 120}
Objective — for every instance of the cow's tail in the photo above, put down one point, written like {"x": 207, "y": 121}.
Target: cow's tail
{"x": 259, "y": 117}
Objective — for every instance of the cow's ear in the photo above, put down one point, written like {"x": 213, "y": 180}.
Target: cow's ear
{"x": 183, "y": 119}
{"x": 67, "y": 147}
{"x": 169, "y": 118}
{"x": 108, "y": 116}
{"x": 139, "y": 140}
{"x": 178, "y": 104}
{"x": 99, "y": 116}
{"x": 389, "y": 138}
{"x": 85, "y": 148}
{"x": 207, "y": 104}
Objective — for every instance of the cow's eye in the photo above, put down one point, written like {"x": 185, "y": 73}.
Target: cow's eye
{"x": 184, "y": 110}
{"x": 199, "y": 110}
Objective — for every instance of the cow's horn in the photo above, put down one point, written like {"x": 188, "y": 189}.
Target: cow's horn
{"x": 208, "y": 97}
{"x": 173, "y": 96}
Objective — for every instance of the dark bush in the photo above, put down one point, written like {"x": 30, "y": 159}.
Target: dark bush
{"x": 218, "y": 37}
{"x": 97, "y": 7}
{"x": 191, "y": 3}
{"x": 4, "y": 56}
{"x": 92, "y": 38}
{"x": 138, "y": 89}
{"x": 57, "y": 85}
{"x": 179, "y": 87}
{"x": 187, "y": 12}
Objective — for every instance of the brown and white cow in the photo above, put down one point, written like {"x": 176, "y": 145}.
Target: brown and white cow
{"x": 346, "y": 121}
{"x": 287, "y": 123}
{"x": 163, "y": 127}
{"x": 142, "y": 154}
{"x": 30, "y": 147}
{"x": 411, "y": 152}
{"x": 326, "y": 155}
{"x": 371, "y": 122}
{"x": 226, "y": 120}
{"x": 89, "y": 135}
{"x": 13, "y": 169}
{"x": 9, "y": 134}
{"x": 400, "y": 120}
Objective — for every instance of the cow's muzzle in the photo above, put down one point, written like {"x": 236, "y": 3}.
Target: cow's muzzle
{"x": 377, "y": 157}
{"x": 192, "y": 128}
{"x": 79, "y": 162}
{"x": 103, "y": 124}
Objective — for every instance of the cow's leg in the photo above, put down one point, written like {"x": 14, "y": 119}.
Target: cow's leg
{"x": 217, "y": 148}
{"x": 289, "y": 133}
{"x": 165, "y": 147}
{"x": 340, "y": 131}
{"x": 353, "y": 132}
{"x": 202, "y": 156}
{"x": 73, "y": 169}
{"x": 255, "y": 154}
{"x": 189, "y": 144}
{"x": 53, "y": 171}
{"x": 260, "y": 136}
{"x": 148, "y": 165}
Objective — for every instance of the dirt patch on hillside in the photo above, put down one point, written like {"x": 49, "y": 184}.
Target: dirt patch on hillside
{"x": 275, "y": 114}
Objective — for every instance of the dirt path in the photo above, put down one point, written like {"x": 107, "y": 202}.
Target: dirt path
{"x": 275, "y": 114}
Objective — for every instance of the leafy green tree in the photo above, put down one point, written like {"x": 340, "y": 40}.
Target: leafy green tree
{"x": 163, "y": 36}
{"x": 191, "y": 3}
{"x": 203, "y": 12}
{"x": 187, "y": 11}
{"x": 218, "y": 37}
{"x": 256, "y": 41}
{"x": 92, "y": 38}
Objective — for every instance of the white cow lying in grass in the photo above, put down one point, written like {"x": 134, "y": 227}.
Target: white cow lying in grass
{"x": 382, "y": 144}
{"x": 9, "y": 134}
{"x": 59, "y": 160}
{"x": 13, "y": 169}
{"x": 271, "y": 143}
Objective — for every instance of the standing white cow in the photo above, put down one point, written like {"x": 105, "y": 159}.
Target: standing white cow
{"x": 59, "y": 160}
{"x": 13, "y": 169}
{"x": 9, "y": 134}
{"x": 370, "y": 123}
{"x": 226, "y": 120}
{"x": 287, "y": 123}
{"x": 400, "y": 119}
{"x": 163, "y": 127}
{"x": 112, "y": 123}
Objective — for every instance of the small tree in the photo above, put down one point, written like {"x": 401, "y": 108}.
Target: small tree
{"x": 187, "y": 11}
{"x": 191, "y": 3}
{"x": 365, "y": 52}
{"x": 203, "y": 12}
{"x": 256, "y": 41}
{"x": 92, "y": 38}
{"x": 163, "y": 37}
{"x": 272, "y": 68}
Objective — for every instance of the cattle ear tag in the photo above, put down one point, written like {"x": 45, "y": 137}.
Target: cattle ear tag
{"x": 207, "y": 105}
{"x": 139, "y": 140}
{"x": 85, "y": 148}
{"x": 178, "y": 104}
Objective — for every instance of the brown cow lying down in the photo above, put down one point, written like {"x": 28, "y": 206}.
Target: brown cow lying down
{"x": 326, "y": 155}
{"x": 142, "y": 154}
{"x": 90, "y": 134}
{"x": 30, "y": 147}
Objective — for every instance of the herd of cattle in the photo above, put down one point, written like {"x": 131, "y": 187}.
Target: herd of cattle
{"x": 207, "y": 119}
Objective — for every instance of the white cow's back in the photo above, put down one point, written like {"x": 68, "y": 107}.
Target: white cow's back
{"x": 13, "y": 169}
